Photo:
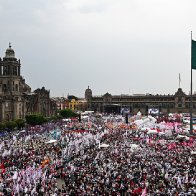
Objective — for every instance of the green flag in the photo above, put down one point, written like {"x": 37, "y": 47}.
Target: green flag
{"x": 193, "y": 60}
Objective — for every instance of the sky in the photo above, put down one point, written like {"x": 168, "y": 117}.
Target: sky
{"x": 120, "y": 47}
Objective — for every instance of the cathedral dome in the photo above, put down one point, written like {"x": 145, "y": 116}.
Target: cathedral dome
{"x": 88, "y": 90}
{"x": 10, "y": 52}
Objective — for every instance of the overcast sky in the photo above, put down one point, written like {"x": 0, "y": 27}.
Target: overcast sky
{"x": 115, "y": 46}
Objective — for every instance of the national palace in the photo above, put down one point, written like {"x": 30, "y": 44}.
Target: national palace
{"x": 179, "y": 102}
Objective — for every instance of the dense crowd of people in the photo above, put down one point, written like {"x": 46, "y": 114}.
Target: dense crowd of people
{"x": 99, "y": 156}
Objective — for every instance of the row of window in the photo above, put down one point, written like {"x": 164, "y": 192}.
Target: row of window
{"x": 142, "y": 99}
{"x": 7, "y": 88}
{"x": 5, "y": 70}
{"x": 164, "y": 105}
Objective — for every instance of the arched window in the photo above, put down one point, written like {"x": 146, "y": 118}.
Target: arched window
{"x": 7, "y": 117}
{"x": 171, "y": 105}
{"x": 16, "y": 87}
{"x": 4, "y": 87}
{"x": 13, "y": 86}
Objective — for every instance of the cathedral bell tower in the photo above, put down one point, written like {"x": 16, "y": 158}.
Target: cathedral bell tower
{"x": 12, "y": 87}
{"x": 10, "y": 66}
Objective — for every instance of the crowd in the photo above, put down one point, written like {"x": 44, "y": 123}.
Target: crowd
{"x": 99, "y": 156}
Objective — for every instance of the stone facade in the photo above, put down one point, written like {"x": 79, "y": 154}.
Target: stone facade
{"x": 12, "y": 88}
{"x": 39, "y": 102}
{"x": 177, "y": 103}
{"x": 71, "y": 102}
{"x": 61, "y": 103}
{"x": 16, "y": 98}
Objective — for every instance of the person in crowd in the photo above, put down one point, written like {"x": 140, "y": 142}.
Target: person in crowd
{"x": 97, "y": 157}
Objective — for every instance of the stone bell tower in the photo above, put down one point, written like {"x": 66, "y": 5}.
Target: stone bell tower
{"x": 88, "y": 97}
{"x": 12, "y": 87}
{"x": 10, "y": 66}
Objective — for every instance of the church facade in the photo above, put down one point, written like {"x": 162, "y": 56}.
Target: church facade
{"x": 16, "y": 97}
{"x": 176, "y": 103}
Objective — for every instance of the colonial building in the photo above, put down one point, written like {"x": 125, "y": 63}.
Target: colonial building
{"x": 16, "y": 99}
{"x": 39, "y": 102}
{"x": 12, "y": 88}
{"x": 61, "y": 102}
{"x": 177, "y": 103}
{"x": 71, "y": 102}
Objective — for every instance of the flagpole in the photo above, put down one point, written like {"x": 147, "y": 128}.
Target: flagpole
{"x": 179, "y": 80}
{"x": 191, "y": 98}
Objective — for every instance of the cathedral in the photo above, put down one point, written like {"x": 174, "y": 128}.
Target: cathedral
{"x": 16, "y": 98}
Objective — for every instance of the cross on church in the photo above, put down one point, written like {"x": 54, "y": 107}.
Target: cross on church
{"x": 10, "y": 45}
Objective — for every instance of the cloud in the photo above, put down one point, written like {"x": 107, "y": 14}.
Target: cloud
{"x": 86, "y": 6}
{"x": 96, "y": 41}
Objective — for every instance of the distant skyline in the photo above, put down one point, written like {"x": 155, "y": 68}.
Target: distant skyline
{"x": 120, "y": 47}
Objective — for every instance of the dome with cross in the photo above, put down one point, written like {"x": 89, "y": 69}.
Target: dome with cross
{"x": 10, "y": 52}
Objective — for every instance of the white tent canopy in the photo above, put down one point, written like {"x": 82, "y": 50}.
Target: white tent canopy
{"x": 161, "y": 133}
{"x": 134, "y": 146}
{"x": 50, "y": 141}
{"x": 152, "y": 131}
{"x": 145, "y": 129}
{"x": 182, "y": 136}
{"x": 84, "y": 117}
{"x": 104, "y": 145}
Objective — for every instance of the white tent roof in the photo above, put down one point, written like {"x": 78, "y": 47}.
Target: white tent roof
{"x": 104, "y": 146}
{"x": 145, "y": 129}
{"x": 50, "y": 141}
{"x": 134, "y": 146}
{"x": 161, "y": 133}
{"x": 183, "y": 136}
{"x": 152, "y": 131}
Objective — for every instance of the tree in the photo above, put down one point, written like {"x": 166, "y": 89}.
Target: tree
{"x": 20, "y": 123}
{"x": 35, "y": 119}
{"x": 10, "y": 124}
{"x": 2, "y": 126}
{"x": 54, "y": 118}
{"x": 67, "y": 113}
